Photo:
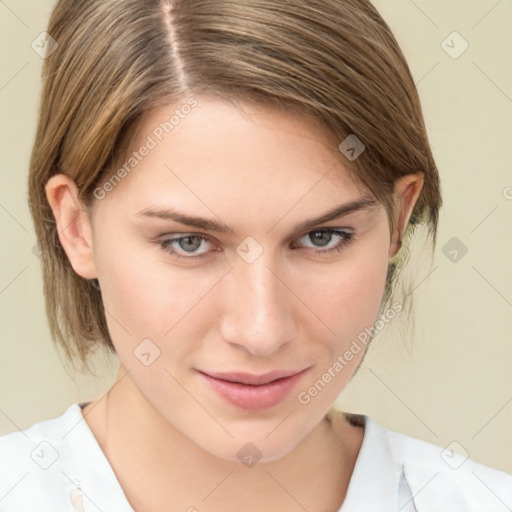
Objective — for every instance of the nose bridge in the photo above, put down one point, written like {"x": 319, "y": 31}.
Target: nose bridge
{"x": 258, "y": 314}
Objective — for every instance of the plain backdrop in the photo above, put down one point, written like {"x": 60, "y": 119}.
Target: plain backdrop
{"x": 450, "y": 383}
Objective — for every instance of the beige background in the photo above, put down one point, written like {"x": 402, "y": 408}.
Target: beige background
{"x": 456, "y": 384}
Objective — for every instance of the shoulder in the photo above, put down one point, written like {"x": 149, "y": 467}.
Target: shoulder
{"x": 448, "y": 479}
{"x": 37, "y": 461}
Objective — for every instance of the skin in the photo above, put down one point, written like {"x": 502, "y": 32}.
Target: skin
{"x": 168, "y": 436}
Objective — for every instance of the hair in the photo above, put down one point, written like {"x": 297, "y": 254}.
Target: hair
{"x": 335, "y": 61}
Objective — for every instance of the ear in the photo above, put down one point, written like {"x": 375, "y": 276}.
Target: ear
{"x": 73, "y": 224}
{"x": 406, "y": 193}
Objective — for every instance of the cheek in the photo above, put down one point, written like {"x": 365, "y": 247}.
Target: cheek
{"x": 346, "y": 296}
{"x": 347, "y": 299}
{"x": 146, "y": 298}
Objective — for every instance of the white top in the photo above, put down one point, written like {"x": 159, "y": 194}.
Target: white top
{"x": 58, "y": 466}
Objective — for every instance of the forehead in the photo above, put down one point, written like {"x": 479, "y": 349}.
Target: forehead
{"x": 247, "y": 155}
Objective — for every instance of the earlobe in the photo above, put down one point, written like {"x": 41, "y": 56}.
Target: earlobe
{"x": 73, "y": 224}
{"x": 407, "y": 191}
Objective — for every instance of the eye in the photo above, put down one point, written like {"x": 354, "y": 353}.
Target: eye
{"x": 324, "y": 237}
{"x": 184, "y": 246}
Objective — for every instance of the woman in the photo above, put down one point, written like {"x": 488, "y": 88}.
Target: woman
{"x": 224, "y": 193}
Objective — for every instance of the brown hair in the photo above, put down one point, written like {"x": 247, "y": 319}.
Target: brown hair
{"x": 334, "y": 60}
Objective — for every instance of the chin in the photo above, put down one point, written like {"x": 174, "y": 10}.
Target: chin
{"x": 250, "y": 453}
{"x": 253, "y": 444}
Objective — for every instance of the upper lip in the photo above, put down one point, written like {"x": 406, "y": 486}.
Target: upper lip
{"x": 252, "y": 379}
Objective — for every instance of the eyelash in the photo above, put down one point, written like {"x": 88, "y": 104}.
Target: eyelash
{"x": 346, "y": 240}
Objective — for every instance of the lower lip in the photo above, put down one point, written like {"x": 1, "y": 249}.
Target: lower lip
{"x": 254, "y": 398}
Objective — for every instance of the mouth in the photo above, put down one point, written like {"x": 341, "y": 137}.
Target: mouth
{"x": 254, "y": 392}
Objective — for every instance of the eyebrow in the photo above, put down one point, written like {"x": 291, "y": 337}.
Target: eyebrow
{"x": 220, "y": 227}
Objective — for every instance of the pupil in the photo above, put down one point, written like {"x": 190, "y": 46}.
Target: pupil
{"x": 186, "y": 240}
{"x": 324, "y": 237}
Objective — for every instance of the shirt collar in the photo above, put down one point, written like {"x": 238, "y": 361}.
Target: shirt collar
{"x": 99, "y": 486}
{"x": 373, "y": 487}
{"x": 375, "y": 481}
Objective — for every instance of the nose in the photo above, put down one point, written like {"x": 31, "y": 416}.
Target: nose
{"x": 258, "y": 312}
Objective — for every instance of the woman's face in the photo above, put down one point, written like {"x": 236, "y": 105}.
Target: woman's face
{"x": 265, "y": 297}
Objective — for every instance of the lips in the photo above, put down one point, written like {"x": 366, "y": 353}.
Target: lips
{"x": 254, "y": 380}
{"x": 254, "y": 392}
